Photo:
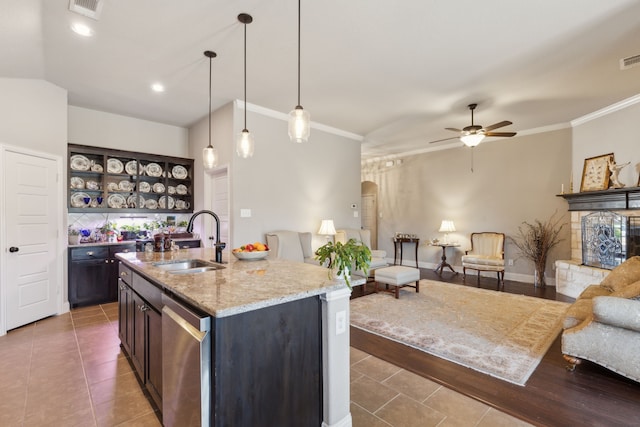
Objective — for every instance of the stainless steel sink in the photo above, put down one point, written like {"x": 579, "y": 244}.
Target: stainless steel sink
{"x": 188, "y": 266}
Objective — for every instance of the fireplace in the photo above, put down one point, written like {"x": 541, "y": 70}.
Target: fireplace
{"x": 609, "y": 238}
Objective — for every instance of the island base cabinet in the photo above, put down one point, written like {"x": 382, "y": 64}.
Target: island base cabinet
{"x": 268, "y": 366}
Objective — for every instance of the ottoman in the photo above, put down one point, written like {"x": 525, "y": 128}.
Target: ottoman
{"x": 397, "y": 276}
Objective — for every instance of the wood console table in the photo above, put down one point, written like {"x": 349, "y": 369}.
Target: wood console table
{"x": 397, "y": 244}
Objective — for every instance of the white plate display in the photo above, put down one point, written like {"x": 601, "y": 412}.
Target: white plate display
{"x": 116, "y": 201}
{"x": 77, "y": 183}
{"x": 125, "y": 186}
{"x": 77, "y": 200}
{"x": 132, "y": 168}
{"x": 179, "y": 172}
{"x": 151, "y": 204}
{"x": 153, "y": 169}
{"x": 96, "y": 168}
{"x": 164, "y": 204}
{"x": 158, "y": 187}
{"x": 114, "y": 166}
{"x": 181, "y": 204}
{"x": 181, "y": 189}
{"x": 144, "y": 187}
{"x": 131, "y": 202}
{"x": 92, "y": 185}
{"x": 79, "y": 163}
{"x": 171, "y": 189}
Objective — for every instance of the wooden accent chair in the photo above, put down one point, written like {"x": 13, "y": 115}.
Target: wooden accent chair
{"x": 486, "y": 254}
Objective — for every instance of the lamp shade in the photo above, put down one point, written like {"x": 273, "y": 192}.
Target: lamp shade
{"x": 299, "y": 125}
{"x": 209, "y": 158}
{"x": 472, "y": 139}
{"x": 327, "y": 228}
{"x": 447, "y": 226}
{"x": 245, "y": 144}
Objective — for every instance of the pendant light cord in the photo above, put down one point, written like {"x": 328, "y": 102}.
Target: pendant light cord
{"x": 299, "y": 52}
{"x": 210, "y": 61}
{"x": 245, "y": 76}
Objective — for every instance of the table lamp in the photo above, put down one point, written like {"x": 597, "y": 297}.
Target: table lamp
{"x": 327, "y": 229}
{"x": 447, "y": 227}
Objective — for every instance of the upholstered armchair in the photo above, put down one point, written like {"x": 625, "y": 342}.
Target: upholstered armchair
{"x": 377, "y": 256}
{"x": 603, "y": 324}
{"x": 486, "y": 254}
{"x": 291, "y": 245}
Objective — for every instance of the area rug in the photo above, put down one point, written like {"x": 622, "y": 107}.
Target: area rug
{"x": 499, "y": 334}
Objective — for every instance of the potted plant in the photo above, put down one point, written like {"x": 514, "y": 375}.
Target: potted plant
{"x": 340, "y": 258}
{"x": 74, "y": 236}
{"x": 534, "y": 241}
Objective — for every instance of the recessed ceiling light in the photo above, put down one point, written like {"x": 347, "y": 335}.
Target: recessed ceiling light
{"x": 82, "y": 29}
{"x": 157, "y": 87}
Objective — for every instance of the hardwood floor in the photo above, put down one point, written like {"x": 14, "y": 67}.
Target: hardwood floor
{"x": 553, "y": 396}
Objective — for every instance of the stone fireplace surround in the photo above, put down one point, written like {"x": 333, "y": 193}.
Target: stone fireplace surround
{"x": 571, "y": 276}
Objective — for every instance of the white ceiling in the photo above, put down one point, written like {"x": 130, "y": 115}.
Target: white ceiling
{"x": 395, "y": 72}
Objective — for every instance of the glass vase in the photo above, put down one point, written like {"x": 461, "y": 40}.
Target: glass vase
{"x": 538, "y": 277}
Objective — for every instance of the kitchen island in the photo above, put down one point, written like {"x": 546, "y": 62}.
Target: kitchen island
{"x": 278, "y": 344}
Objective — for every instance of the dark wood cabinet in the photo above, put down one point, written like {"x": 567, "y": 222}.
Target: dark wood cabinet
{"x": 140, "y": 329}
{"x": 104, "y": 180}
{"x": 93, "y": 274}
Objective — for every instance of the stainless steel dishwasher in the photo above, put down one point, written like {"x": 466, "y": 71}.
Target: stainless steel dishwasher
{"x": 186, "y": 366}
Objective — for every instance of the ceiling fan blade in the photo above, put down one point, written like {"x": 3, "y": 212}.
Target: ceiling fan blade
{"x": 454, "y": 129}
{"x": 445, "y": 139}
{"x": 497, "y": 125}
{"x": 500, "y": 134}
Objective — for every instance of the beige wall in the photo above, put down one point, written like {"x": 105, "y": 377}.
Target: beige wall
{"x": 513, "y": 180}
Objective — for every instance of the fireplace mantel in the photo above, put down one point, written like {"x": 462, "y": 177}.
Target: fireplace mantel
{"x": 612, "y": 199}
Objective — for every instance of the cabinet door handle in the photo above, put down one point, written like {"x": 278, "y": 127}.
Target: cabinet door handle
{"x": 125, "y": 250}
{"x": 123, "y": 288}
{"x": 90, "y": 253}
{"x": 123, "y": 274}
{"x": 106, "y": 261}
{"x": 143, "y": 307}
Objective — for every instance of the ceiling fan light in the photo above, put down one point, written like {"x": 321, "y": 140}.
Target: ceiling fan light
{"x": 245, "y": 145}
{"x": 472, "y": 140}
{"x": 209, "y": 158}
{"x": 299, "y": 125}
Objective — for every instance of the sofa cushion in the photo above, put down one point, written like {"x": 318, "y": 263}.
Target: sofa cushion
{"x": 482, "y": 260}
{"x": 631, "y": 291}
{"x": 623, "y": 275}
{"x": 577, "y": 312}
{"x": 594, "y": 291}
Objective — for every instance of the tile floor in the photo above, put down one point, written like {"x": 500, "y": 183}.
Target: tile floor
{"x": 69, "y": 370}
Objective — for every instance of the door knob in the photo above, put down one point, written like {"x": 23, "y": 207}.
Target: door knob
{"x": 13, "y": 249}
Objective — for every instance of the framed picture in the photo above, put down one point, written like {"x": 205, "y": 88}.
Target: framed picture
{"x": 595, "y": 173}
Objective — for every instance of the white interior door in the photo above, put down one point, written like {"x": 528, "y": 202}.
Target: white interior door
{"x": 369, "y": 217}
{"x": 31, "y": 212}
{"x": 220, "y": 204}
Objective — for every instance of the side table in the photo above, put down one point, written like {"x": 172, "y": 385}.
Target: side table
{"x": 397, "y": 244}
{"x": 443, "y": 262}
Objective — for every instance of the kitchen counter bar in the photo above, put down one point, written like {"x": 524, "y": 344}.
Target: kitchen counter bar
{"x": 239, "y": 287}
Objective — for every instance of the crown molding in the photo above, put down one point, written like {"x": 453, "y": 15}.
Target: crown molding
{"x": 625, "y": 103}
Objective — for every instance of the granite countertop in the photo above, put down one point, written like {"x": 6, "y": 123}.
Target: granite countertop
{"x": 239, "y": 287}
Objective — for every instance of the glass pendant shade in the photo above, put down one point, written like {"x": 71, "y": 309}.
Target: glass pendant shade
{"x": 209, "y": 158}
{"x": 299, "y": 125}
{"x": 245, "y": 145}
{"x": 472, "y": 140}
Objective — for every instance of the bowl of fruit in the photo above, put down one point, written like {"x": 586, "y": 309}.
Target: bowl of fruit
{"x": 251, "y": 251}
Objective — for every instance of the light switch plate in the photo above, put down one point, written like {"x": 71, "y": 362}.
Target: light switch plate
{"x": 245, "y": 213}
{"x": 341, "y": 322}
{"x": 355, "y": 214}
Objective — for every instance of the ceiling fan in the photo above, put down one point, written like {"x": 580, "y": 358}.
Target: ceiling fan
{"x": 474, "y": 134}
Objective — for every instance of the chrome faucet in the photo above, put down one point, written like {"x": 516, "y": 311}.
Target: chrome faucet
{"x": 218, "y": 245}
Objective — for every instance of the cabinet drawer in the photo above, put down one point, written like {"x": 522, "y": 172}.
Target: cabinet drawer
{"x": 129, "y": 247}
{"x": 124, "y": 273}
{"x": 92, "y": 252}
{"x": 148, "y": 291}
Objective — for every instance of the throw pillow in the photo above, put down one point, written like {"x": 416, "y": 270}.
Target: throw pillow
{"x": 623, "y": 275}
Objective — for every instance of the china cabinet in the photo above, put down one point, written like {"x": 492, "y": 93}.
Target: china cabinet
{"x": 106, "y": 180}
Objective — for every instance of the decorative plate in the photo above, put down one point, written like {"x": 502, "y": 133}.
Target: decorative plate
{"x": 162, "y": 202}
{"x": 181, "y": 204}
{"x": 132, "y": 168}
{"x": 171, "y": 189}
{"x": 79, "y": 163}
{"x": 151, "y": 204}
{"x": 131, "y": 202}
{"x": 153, "y": 169}
{"x": 77, "y": 183}
{"x": 158, "y": 187}
{"x": 144, "y": 187}
{"x": 112, "y": 186}
{"x": 77, "y": 200}
{"x": 92, "y": 185}
{"x": 179, "y": 172}
{"x": 114, "y": 166}
{"x": 125, "y": 185}
{"x": 116, "y": 201}
{"x": 181, "y": 189}
{"x": 97, "y": 168}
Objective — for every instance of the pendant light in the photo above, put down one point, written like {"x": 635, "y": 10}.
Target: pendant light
{"x": 245, "y": 144}
{"x": 299, "y": 119}
{"x": 209, "y": 154}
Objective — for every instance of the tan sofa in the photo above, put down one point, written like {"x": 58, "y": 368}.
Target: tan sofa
{"x": 603, "y": 324}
